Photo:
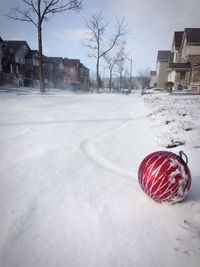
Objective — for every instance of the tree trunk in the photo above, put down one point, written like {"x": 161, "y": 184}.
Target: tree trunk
{"x": 41, "y": 70}
{"x": 110, "y": 81}
{"x": 97, "y": 77}
{"x": 120, "y": 82}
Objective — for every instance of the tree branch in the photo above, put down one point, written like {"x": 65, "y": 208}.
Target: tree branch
{"x": 47, "y": 7}
{"x": 21, "y": 15}
{"x": 120, "y": 32}
{"x": 56, "y": 6}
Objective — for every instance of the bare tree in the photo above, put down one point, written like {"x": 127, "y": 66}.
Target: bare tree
{"x": 115, "y": 59}
{"x": 38, "y": 11}
{"x": 97, "y": 43}
{"x": 121, "y": 55}
{"x": 111, "y": 61}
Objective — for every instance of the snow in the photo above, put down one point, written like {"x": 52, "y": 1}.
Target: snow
{"x": 69, "y": 194}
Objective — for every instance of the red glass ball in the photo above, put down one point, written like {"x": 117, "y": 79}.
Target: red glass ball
{"x": 165, "y": 176}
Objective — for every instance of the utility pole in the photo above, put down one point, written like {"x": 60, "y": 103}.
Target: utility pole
{"x": 130, "y": 77}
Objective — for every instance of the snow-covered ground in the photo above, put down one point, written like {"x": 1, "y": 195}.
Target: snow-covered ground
{"x": 69, "y": 194}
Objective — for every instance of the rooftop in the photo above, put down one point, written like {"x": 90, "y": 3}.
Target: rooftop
{"x": 180, "y": 65}
{"x": 192, "y": 35}
{"x": 163, "y": 55}
{"x": 15, "y": 46}
{"x": 152, "y": 73}
{"x": 71, "y": 62}
{"x": 178, "y": 39}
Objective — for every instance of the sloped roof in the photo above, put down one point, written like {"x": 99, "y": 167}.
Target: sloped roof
{"x": 178, "y": 39}
{"x": 152, "y": 73}
{"x": 83, "y": 66}
{"x": 55, "y": 60}
{"x": 14, "y": 46}
{"x": 163, "y": 55}
{"x": 1, "y": 40}
{"x": 71, "y": 62}
{"x": 192, "y": 35}
{"x": 180, "y": 65}
{"x": 45, "y": 59}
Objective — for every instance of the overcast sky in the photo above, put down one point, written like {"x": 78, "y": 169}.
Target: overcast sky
{"x": 150, "y": 23}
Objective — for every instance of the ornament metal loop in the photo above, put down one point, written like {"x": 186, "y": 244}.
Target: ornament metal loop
{"x": 181, "y": 154}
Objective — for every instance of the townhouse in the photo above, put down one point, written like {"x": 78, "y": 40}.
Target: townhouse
{"x": 54, "y": 72}
{"x": 19, "y": 66}
{"x": 77, "y": 73}
{"x": 19, "y": 63}
{"x": 182, "y": 62}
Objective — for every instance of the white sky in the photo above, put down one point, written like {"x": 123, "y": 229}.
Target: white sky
{"x": 151, "y": 25}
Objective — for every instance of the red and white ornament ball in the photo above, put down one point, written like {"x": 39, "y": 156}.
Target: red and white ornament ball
{"x": 165, "y": 176}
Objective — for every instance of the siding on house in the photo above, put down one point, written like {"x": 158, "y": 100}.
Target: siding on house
{"x": 71, "y": 67}
{"x": 186, "y": 49}
{"x": 162, "y": 66}
{"x": 77, "y": 74}
{"x": 153, "y": 79}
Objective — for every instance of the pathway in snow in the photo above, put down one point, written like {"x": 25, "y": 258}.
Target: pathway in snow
{"x": 134, "y": 124}
{"x": 69, "y": 194}
{"x": 92, "y": 153}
